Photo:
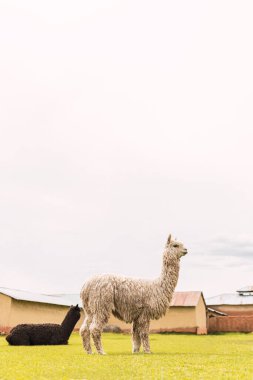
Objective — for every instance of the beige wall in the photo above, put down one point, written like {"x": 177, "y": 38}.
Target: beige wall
{"x": 188, "y": 319}
{"x": 14, "y": 312}
{"x": 5, "y": 309}
{"x": 175, "y": 318}
{"x": 35, "y": 312}
{"x": 201, "y": 317}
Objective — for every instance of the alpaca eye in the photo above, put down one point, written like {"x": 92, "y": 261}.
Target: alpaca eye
{"x": 176, "y": 245}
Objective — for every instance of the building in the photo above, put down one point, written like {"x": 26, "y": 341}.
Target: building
{"x": 237, "y": 308}
{"x": 17, "y": 306}
{"x": 186, "y": 314}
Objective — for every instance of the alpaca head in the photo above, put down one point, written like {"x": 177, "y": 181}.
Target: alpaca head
{"x": 70, "y": 320}
{"x": 175, "y": 248}
{"x": 74, "y": 313}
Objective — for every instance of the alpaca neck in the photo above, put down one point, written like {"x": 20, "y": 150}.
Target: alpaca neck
{"x": 169, "y": 276}
{"x": 162, "y": 289}
{"x": 68, "y": 325}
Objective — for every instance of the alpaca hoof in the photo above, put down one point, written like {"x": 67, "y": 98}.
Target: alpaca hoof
{"x": 136, "y": 351}
{"x": 147, "y": 352}
{"x": 102, "y": 353}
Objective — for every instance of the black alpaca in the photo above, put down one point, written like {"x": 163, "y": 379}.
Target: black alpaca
{"x": 46, "y": 334}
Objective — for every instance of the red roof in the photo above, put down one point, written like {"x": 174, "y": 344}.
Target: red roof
{"x": 186, "y": 298}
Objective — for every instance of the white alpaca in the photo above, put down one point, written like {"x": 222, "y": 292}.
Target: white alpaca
{"x": 134, "y": 301}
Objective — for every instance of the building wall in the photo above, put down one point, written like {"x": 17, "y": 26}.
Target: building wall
{"x": 232, "y": 323}
{"x": 239, "y": 319}
{"x": 5, "y": 309}
{"x": 234, "y": 309}
{"x": 177, "y": 319}
{"x": 31, "y": 312}
{"x": 201, "y": 317}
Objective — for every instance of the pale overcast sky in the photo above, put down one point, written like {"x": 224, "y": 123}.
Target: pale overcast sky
{"x": 123, "y": 121}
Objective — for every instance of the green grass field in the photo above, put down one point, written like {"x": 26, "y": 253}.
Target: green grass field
{"x": 228, "y": 356}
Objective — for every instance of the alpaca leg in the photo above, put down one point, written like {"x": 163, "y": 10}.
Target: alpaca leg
{"x": 144, "y": 335}
{"x": 85, "y": 334}
{"x": 136, "y": 339}
{"x": 96, "y": 329}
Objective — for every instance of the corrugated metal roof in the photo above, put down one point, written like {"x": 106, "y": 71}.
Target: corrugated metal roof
{"x": 55, "y": 299}
{"x": 178, "y": 299}
{"x": 230, "y": 299}
{"x": 185, "y": 298}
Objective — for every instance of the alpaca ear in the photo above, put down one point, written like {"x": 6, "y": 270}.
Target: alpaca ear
{"x": 169, "y": 239}
{"x": 77, "y": 307}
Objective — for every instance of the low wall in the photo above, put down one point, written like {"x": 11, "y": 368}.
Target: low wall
{"x": 231, "y": 324}
{"x": 5, "y": 330}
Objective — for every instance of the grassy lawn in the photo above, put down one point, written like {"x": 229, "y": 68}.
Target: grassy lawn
{"x": 228, "y": 356}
